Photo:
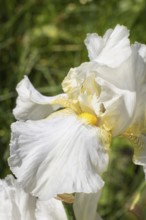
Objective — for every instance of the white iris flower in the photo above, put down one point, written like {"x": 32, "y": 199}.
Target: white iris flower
{"x": 119, "y": 70}
{"x": 15, "y": 204}
{"x": 62, "y": 152}
{"x": 57, "y": 151}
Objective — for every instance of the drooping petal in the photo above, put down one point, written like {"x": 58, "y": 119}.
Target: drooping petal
{"x": 85, "y": 206}
{"x": 33, "y": 105}
{"x": 50, "y": 210}
{"x": 111, "y": 50}
{"x": 58, "y": 155}
{"x": 15, "y": 204}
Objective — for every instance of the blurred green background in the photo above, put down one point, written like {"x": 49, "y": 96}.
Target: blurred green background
{"x": 44, "y": 39}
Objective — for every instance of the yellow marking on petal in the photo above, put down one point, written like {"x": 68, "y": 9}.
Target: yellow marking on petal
{"x": 89, "y": 118}
{"x": 106, "y": 137}
{"x": 67, "y": 103}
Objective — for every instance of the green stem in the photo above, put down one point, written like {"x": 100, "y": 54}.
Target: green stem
{"x": 69, "y": 211}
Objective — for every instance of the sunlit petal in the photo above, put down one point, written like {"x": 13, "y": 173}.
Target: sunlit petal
{"x": 138, "y": 123}
{"x": 33, "y": 105}
{"x": 104, "y": 91}
{"x": 112, "y": 49}
{"x": 59, "y": 155}
{"x": 119, "y": 106}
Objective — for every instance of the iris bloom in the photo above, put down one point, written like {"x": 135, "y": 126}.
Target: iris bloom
{"x": 60, "y": 144}
{"x": 15, "y": 204}
{"x": 61, "y": 152}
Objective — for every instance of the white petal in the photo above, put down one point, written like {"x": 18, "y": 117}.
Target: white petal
{"x": 31, "y": 104}
{"x": 119, "y": 106}
{"x": 139, "y": 118}
{"x": 123, "y": 77}
{"x": 121, "y": 91}
{"x": 111, "y": 50}
{"x": 94, "y": 44}
{"x": 142, "y": 51}
{"x": 15, "y": 204}
{"x": 59, "y": 155}
{"x": 98, "y": 86}
{"x": 85, "y": 206}
{"x": 50, "y": 210}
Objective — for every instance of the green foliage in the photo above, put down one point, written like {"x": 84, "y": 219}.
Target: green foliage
{"x": 122, "y": 179}
{"x": 44, "y": 39}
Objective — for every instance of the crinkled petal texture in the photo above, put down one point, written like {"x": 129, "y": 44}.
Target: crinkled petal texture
{"x": 58, "y": 155}
{"x": 31, "y": 104}
{"x": 85, "y": 206}
{"x": 15, "y": 204}
{"x": 50, "y": 210}
{"x": 112, "y": 49}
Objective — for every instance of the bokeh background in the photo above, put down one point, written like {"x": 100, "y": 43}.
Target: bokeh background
{"x": 44, "y": 39}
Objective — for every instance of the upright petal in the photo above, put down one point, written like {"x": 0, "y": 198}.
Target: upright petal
{"x": 136, "y": 131}
{"x": 59, "y": 155}
{"x": 138, "y": 123}
{"x": 105, "y": 92}
{"x": 85, "y": 206}
{"x": 111, "y": 50}
{"x": 33, "y": 105}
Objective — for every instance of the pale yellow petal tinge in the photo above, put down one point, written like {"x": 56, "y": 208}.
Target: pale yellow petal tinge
{"x": 138, "y": 141}
{"x": 67, "y": 103}
{"x": 68, "y": 198}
